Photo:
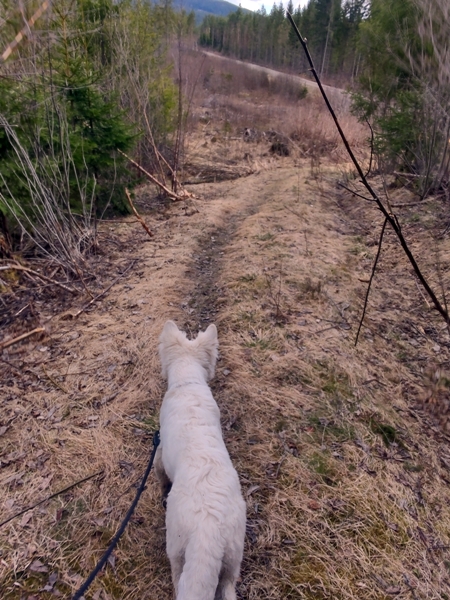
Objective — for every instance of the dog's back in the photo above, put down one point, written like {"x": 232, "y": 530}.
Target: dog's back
{"x": 205, "y": 509}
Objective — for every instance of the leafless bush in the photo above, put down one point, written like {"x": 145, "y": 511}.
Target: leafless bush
{"x": 427, "y": 61}
{"x": 47, "y": 219}
{"x": 433, "y": 70}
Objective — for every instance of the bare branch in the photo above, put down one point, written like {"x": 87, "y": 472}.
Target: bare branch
{"x": 389, "y": 216}
{"x": 374, "y": 267}
{"x": 138, "y": 216}
{"x": 39, "y": 275}
{"x": 20, "y": 338}
{"x": 176, "y": 197}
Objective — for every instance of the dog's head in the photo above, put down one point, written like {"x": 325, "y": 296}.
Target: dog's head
{"x": 174, "y": 346}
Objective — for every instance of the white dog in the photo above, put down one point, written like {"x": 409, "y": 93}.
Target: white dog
{"x": 205, "y": 517}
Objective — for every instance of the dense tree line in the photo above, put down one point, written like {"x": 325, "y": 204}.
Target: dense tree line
{"x": 331, "y": 27}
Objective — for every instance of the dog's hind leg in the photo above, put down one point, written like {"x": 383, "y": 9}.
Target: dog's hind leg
{"x": 226, "y": 590}
{"x": 200, "y": 576}
{"x": 176, "y": 567}
{"x": 161, "y": 474}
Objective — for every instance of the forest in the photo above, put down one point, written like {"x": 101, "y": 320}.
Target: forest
{"x": 330, "y": 26}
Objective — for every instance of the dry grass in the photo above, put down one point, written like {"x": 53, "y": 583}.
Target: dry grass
{"x": 345, "y": 478}
{"x": 351, "y": 498}
{"x": 230, "y": 97}
{"x": 344, "y": 471}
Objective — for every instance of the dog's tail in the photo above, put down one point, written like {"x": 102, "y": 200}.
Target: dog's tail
{"x": 202, "y": 566}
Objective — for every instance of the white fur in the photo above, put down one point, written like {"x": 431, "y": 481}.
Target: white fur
{"x": 205, "y": 517}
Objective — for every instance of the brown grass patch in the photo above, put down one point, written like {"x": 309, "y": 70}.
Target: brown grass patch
{"x": 232, "y": 98}
{"x": 344, "y": 472}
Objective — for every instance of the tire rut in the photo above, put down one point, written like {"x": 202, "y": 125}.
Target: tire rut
{"x": 202, "y": 300}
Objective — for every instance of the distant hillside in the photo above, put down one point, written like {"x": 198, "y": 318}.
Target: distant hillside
{"x": 201, "y": 8}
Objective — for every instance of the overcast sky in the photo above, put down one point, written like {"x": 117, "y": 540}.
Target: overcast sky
{"x": 256, "y": 4}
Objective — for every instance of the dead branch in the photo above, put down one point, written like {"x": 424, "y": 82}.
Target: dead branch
{"x": 82, "y": 310}
{"x": 63, "y": 491}
{"x": 54, "y": 230}
{"x": 175, "y": 197}
{"x": 340, "y": 184}
{"x": 407, "y": 175}
{"x": 138, "y": 216}
{"x": 39, "y": 275}
{"x": 24, "y": 31}
{"x": 124, "y": 221}
{"x": 389, "y": 216}
{"x": 407, "y": 204}
{"x": 159, "y": 157}
{"x": 374, "y": 266}
{"x": 19, "y": 338}
{"x": 55, "y": 383}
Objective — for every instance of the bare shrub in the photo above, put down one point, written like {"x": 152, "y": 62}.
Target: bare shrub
{"x": 432, "y": 68}
{"x": 48, "y": 219}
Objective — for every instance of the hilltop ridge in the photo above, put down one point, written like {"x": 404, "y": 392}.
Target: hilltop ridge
{"x": 202, "y": 8}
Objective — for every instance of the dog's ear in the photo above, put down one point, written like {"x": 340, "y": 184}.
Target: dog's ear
{"x": 169, "y": 330}
{"x": 207, "y": 347}
{"x": 170, "y": 339}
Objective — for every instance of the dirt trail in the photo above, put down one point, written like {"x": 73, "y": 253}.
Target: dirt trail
{"x": 341, "y": 468}
{"x": 337, "y": 95}
{"x": 204, "y": 287}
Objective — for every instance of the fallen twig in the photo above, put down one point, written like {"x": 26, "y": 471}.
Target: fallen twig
{"x": 294, "y": 212}
{"x": 82, "y": 310}
{"x": 36, "y": 274}
{"x": 55, "y": 383}
{"x": 124, "y": 221}
{"x": 326, "y": 329}
{"x": 173, "y": 195}
{"x": 407, "y": 175}
{"x": 63, "y": 491}
{"x": 137, "y": 215}
{"x": 19, "y": 338}
{"x": 407, "y": 204}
